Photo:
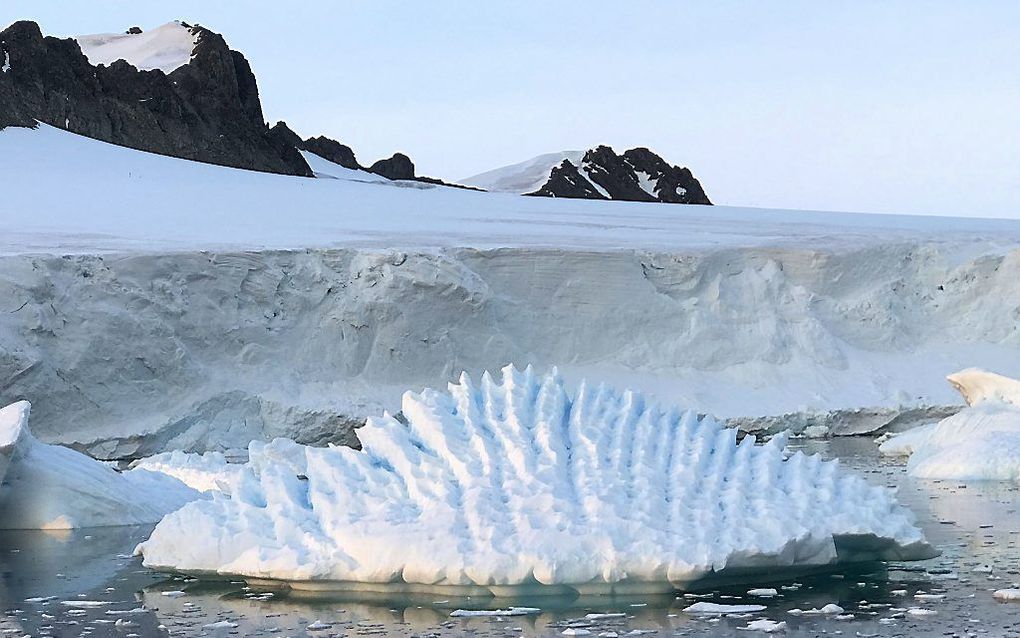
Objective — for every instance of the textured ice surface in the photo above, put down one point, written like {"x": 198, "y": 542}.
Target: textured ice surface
{"x": 981, "y": 442}
{"x": 203, "y": 472}
{"x": 504, "y": 486}
{"x": 51, "y": 487}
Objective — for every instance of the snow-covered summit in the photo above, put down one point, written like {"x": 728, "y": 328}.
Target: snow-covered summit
{"x": 166, "y": 48}
{"x": 505, "y": 486}
{"x": 638, "y": 175}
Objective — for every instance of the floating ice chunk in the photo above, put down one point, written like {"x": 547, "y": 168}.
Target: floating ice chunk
{"x": 1007, "y": 595}
{"x": 831, "y": 609}
{"x": 509, "y": 487}
{"x": 763, "y": 592}
{"x": 919, "y": 611}
{"x": 978, "y": 386}
{"x": 52, "y": 487}
{"x": 981, "y": 442}
{"x": 704, "y": 607}
{"x": 768, "y": 626}
{"x": 511, "y": 611}
{"x": 223, "y": 624}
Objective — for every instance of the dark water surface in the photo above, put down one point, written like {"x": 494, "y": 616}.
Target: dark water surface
{"x": 86, "y": 584}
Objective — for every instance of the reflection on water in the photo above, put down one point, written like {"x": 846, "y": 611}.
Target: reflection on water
{"x": 87, "y": 584}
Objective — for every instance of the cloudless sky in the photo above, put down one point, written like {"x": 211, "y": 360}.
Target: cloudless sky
{"x": 866, "y": 105}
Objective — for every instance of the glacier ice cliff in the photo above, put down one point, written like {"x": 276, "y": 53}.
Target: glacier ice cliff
{"x": 209, "y": 350}
{"x": 52, "y": 487}
{"x": 519, "y": 484}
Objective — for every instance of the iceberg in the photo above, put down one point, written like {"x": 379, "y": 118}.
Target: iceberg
{"x": 518, "y": 486}
{"x": 51, "y": 487}
{"x": 979, "y": 443}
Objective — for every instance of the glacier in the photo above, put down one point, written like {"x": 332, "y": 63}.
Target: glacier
{"x": 518, "y": 485}
{"x": 51, "y": 487}
{"x": 189, "y": 313}
{"x": 979, "y": 443}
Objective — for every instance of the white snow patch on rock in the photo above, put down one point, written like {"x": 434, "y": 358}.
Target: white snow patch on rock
{"x": 166, "y": 48}
{"x": 505, "y": 487}
{"x": 52, "y": 487}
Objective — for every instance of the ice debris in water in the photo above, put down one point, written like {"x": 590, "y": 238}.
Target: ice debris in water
{"x": 980, "y": 442}
{"x": 53, "y": 487}
{"x": 504, "y": 487}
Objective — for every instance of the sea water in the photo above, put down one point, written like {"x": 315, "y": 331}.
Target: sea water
{"x": 87, "y": 583}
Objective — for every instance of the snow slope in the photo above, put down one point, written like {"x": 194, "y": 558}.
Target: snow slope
{"x": 50, "y": 487}
{"x": 325, "y": 169}
{"x": 524, "y": 177}
{"x": 503, "y": 487}
{"x": 981, "y": 442}
{"x": 166, "y": 48}
{"x": 168, "y": 304}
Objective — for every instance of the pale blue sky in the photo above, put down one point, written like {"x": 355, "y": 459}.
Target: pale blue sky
{"x": 858, "y": 105}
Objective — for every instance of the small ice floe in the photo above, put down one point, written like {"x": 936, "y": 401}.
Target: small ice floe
{"x": 715, "y": 609}
{"x": 920, "y": 611}
{"x": 86, "y": 603}
{"x": 763, "y": 592}
{"x": 510, "y": 611}
{"x": 575, "y": 631}
{"x": 831, "y": 609}
{"x": 40, "y": 599}
{"x": 768, "y": 626}
{"x": 318, "y": 625}
{"x": 1007, "y": 595}
{"x": 930, "y": 597}
{"x": 223, "y": 624}
{"x": 172, "y": 594}
{"x": 898, "y": 592}
{"x": 127, "y": 612}
{"x": 605, "y": 616}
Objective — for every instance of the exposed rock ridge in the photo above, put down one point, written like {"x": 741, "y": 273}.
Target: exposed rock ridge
{"x": 207, "y": 110}
{"x": 639, "y": 175}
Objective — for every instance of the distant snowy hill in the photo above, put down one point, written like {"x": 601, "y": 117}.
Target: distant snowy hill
{"x": 523, "y": 177}
{"x": 639, "y": 175}
{"x": 166, "y": 48}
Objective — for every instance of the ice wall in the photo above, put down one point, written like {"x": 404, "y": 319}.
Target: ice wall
{"x": 129, "y": 355}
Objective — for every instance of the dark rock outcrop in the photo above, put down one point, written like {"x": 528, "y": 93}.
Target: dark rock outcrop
{"x": 207, "y": 110}
{"x": 566, "y": 181}
{"x": 399, "y": 166}
{"x": 333, "y": 151}
{"x": 639, "y": 175}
